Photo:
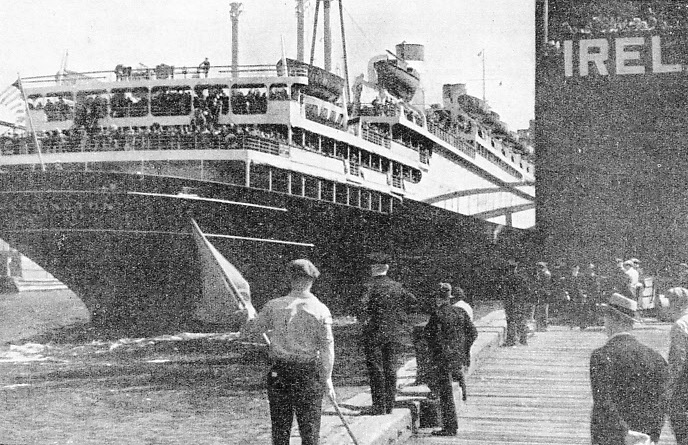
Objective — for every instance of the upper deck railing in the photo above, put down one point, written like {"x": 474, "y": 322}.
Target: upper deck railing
{"x": 161, "y": 72}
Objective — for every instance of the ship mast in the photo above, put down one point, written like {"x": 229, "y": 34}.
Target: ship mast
{"x": 328, "y": 37}
{"x": 300, "y": 29}
{"x": 235, "y": 10}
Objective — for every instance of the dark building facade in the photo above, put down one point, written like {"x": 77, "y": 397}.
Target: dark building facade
{"x": 612, "y": 131}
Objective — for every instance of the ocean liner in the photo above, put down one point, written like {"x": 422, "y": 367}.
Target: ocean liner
{"x": 121, "y": 171}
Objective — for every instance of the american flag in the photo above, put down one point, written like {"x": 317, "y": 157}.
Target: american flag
{"x": 12, "y": 109}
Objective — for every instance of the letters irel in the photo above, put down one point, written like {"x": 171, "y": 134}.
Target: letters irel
{"x": 595, "y": 52}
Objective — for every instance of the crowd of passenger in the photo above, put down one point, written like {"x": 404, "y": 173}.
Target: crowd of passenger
{"x": 56, "y": 111}
{"x": 154, "y": 138}
{"x": 616, "y": 17}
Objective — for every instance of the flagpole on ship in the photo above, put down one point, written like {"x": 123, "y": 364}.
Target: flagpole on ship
{"x": 28, "y": 115}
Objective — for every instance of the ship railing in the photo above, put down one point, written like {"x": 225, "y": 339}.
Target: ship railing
{"x": 354, "y": 168}
{"x": 162, "y": 71}
{"x": 263, "y": 145}
{"x": 373, "y": 136}
{"x": 147, "y": 141}
{"x": 397, "y": 182}
{"x": 424, "y": 157}
{"x": 454, "y": 140}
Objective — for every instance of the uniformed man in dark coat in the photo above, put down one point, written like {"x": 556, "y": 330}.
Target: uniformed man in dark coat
{"x": 450, "y": 333}
{"x": 515, "y": 294}
{"x": 627, "y": 380}
{"x": 385, "y": 306}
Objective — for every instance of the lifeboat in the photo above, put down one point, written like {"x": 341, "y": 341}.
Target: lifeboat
{"x": 321, "y": 84}
{"x": 397, "y": 77}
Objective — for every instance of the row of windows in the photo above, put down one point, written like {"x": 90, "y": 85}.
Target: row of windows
{"x": 161, "y": 100}
{"x": 293, "y": 183}
{"x": 233, "y": 172}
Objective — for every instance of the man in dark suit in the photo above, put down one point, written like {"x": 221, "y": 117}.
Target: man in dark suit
{"x": 385, "y": 305}
{"x": 627, "y": 380}
{"x": 450, "y": 333}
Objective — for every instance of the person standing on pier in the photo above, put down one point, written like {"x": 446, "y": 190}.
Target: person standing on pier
{"x": 515, "y": 293}
{"x": 385, "y": 305}
{"x": 543, "y": 295}
{"x": 450, "y": 333}
{"x": 301, "y": 355}
{"x": 627, "y": 380}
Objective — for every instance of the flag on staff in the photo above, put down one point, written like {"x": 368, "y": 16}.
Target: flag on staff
{"x": 12, "y": 106}
{"x": 481, "y": 52}
{"x": 226, "y": 294}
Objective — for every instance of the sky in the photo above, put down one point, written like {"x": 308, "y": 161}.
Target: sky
{"x": 99, "y": 34}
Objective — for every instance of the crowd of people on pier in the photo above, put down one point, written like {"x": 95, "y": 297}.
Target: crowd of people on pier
{"x": 630, "y": 409}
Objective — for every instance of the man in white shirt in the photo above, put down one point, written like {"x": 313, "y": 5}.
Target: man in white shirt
{"x": 458, "y": 300}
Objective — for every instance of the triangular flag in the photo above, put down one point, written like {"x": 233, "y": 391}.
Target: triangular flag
{"x": 225, "y": 292}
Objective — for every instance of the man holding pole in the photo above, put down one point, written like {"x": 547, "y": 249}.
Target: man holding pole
{"x": 301, "y": 355}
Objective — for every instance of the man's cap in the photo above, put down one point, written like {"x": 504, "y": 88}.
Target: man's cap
{"x": 541, "y": 264}
{"x": 512, "y": 262}
{"x": 445, "y": 286}
{"x": 302, "y": 268}
{"x": 620, "y": 304}
{"x": 378, "y": 258}
{"x": 684, "y": 265}
{"x": 634, "y": 260}
{"x": 628, "y": 263}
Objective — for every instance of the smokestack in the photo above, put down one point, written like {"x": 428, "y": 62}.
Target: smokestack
{"x": 300, "y": 30}
{"x": 235, "y": 10}
{"x": 328, "y": 35}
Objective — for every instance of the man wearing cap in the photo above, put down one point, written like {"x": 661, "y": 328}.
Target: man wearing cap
{"x": 458, "y": 298}
{"x": 449, "y": 334}
{"x": 515, "y": 293}
{"x": 301, "y": 355}
{"x": 385, "y": 304}
{"x": 627, "y": 380}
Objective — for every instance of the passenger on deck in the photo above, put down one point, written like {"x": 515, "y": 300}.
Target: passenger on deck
{"x": 204, "y": 67}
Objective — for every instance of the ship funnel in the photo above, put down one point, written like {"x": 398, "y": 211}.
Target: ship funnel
{"x": 300, "y": 30}
{"x": 235, "y": 10}
{"x": 413, "y": 54}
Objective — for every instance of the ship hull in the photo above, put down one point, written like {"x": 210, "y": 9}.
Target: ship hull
{"x": 124, "y": 244}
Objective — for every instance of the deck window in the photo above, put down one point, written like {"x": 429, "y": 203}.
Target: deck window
{"x": 279, "y": 91}
{"x": 129, "y": 102}
{"x": 365, "y": 199}
{"x": 59, "y": 106}
{"x": 341, "y": 193}
{"x": 94, "y": 103}
{"x": 171, "y": 101}
{"x": 376, "y": 201}
{"x": 249, "y": 99}
{"x": 280, "y": 181}
{"x": 213, "y": 98}
{"x": 311, "y": 187}
{"x": 327, "y": 191}
{"x": 260, "y": 176}
{"x": 355, "y": 196}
